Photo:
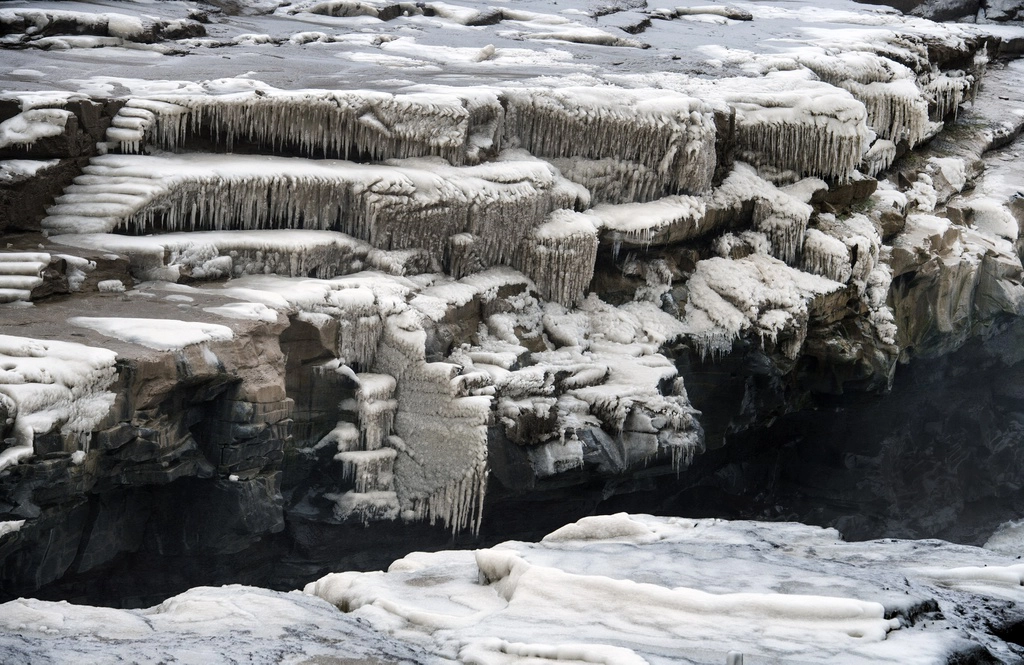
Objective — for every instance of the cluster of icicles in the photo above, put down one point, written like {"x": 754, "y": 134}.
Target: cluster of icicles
{"x": 670, "y": 135}
{"x": 449, "y": 176}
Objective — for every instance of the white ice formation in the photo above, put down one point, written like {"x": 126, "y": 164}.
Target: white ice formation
{"x": 640, "y": 589}
{"x": 28, "y": 127}
{"x": 48, "y": 386}
{"x": 442, "y": 241}
{"x": 20, "y": 272}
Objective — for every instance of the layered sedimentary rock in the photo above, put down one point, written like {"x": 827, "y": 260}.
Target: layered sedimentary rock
{"x": 256, "y": 334}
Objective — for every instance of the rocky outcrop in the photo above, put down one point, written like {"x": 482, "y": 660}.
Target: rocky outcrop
{"x": 299, "y": 330}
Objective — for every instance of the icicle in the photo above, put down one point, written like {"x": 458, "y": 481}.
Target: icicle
{"x": 947, "y": 91}
{"x": 369, "y": 470}
{"x": 671, "y": 136}
{"x": 826, "y": 256}
{"x": 783, "y": 219}
{"x": 559, "y": 256}
{"x": 459, "y": 127}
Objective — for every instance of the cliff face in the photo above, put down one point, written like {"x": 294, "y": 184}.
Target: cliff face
{"x": 256, "y": 334}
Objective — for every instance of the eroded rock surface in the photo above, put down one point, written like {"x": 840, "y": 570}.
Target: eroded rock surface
{"x": 258, "y": 331}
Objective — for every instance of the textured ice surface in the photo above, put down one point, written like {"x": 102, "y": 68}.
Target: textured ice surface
{"x": 231, "y": 624}
{"x": 635, "y": 588}
{"x": 48, "y": 385}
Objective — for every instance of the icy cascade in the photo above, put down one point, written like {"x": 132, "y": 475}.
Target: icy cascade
{"x": 441, "y": 470}
{"x": 756, "y": 293}
{"x": 367, "y": 460}
{"x": 670, "y": 135}
{"x": 459, "y": 126}
{"x": 48, "y": 386}
{"x": 20, "y": 272}
{"x": 896, "y": 106}
{"x": 411, "y": 204}
{"x": 559, "y": 256}
{"x": 790, "y": 122}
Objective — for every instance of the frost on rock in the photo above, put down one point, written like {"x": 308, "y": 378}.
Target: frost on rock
{"x": 601, "y": 394}
{"x": 862, "y": 245}
{"x": 559, "y": 256}
{"x": 668, "y": 134}
{"x": 459, "y": 126}
{"x": 48, "y": 386}
{"x": 759, "y": 294}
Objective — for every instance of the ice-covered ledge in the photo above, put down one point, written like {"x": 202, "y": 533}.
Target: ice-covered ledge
{"x": 371, "y": 303}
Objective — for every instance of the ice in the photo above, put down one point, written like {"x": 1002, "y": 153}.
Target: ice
{"x": 52, "y": 385}
{"x": 559, "y": 256}
{"x": 459, "y": 126}
{"x": 670, "y": 134}
{"x": 28, "y": 127}
{"x": 159, "y": 334}
{"x": 408, "y": 204}
{"x": 757, "y": 293}
{"x": 636, "y": 588}
{"x": 20, "y": 273}
{"x": 247, "y": 311}
{"x": 210, "y": 625}
{"x": 10, "y": 526}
